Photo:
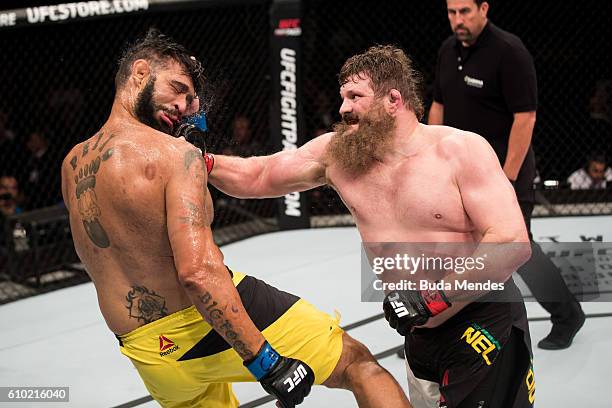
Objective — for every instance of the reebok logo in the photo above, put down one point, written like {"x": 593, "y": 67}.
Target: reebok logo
{"x": 166, "y": 346}
{"x": 165, "y": 343}
{"x": 298, "y": 376}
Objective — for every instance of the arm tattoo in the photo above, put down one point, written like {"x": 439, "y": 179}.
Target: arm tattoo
{"x": 87, "y": 200}
{"x": 196, "y": 215}
{"x": 216, "y": 318}
{"x": 199, "y": 172}
{"x": 145, "y": 305}
{"x": 98, "y": 140}
{"x": 191, "y": 155}
{"x": 104, "y": 144}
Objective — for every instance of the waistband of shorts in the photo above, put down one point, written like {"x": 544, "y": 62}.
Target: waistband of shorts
{"x": 180, "y": 317}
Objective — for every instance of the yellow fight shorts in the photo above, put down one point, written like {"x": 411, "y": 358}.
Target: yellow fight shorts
{"x": 185, "y": 363}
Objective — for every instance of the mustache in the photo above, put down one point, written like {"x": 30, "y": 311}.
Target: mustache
{"x": 173, "y": 112}
{"x": 350, "y": 118}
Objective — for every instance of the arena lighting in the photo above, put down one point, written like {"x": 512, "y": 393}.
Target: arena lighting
{"x": 551, "y": 183}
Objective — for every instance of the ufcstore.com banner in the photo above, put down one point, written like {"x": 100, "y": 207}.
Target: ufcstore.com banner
{"x": 70, "y": 11}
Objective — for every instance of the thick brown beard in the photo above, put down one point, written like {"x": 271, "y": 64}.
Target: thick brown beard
{"x": 356, "y": 152}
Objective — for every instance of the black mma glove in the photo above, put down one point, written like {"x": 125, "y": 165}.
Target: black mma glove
{"x": 407, "y": 309}
{"x": 192, "y": 134}
{"x": 288, "y": 380}
{"x": 193, "y": 129}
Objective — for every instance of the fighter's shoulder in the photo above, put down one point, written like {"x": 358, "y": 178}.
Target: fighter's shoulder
{"x": 456, "y": 143}
{"x": 316, "y": 147}
{"x": 176, "y": 147}
{"x": 69, "y": 156}
{"x": 75, "y": 155}
{"x": 179, "y": 148}
{"x": 180, "y": 156}
{"x": 321, "y": 141}
{"x": 155, "y": 147}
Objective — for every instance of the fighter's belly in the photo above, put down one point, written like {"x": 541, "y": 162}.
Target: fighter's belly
{"x": 370, "y": 232}
{"x": 412, "y": 220}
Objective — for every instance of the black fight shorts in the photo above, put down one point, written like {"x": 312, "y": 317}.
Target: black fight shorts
{"x": 479, "y": 358}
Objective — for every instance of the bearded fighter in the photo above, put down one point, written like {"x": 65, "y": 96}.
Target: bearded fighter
{"x": 406, "y": 182}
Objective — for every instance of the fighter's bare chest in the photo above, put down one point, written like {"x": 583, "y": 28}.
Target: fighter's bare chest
{"x": 417, "y": 196}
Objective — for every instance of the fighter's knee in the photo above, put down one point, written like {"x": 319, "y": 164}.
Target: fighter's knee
{"x": 357, "y": 351}
{"x": 358, "y": 365}
{"x": 363, "y": 368}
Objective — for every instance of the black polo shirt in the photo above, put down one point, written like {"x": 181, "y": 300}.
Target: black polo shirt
{"x": 481, "y": 86}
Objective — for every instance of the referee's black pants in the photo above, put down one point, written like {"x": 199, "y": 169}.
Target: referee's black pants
{"x": 544, "y": 280}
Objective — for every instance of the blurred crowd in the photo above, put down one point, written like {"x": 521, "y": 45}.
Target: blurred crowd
{"x": 30, "y": 161}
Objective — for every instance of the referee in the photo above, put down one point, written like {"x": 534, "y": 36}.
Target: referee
{"x": 486, "y": 83}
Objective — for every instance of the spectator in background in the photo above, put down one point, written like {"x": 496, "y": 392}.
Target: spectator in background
{"x": 320, "y": 130}
{"x": 599, "y": 125}
{"x": 9, "y": 195}
{"x": 10, "y": 152}
{"x": 243, "y": 142}
{"x": 9, "y": 199}
{"x": 42, "y": 172}
{"x": 324, "y": 110}
{"x": 6, "y": 134}
{"x": 595, "y": 128}
{"x": 65, "y": 106}
{"x": 485, "y": 82}
{"x": 594, "y": 175}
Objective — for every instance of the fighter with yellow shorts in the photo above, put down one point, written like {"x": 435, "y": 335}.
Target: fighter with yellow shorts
{"x": 184, "y": 362}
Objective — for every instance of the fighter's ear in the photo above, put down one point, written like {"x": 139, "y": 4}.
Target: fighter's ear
{"x": 141, "y": 69}
{"x": 395, "y": 99}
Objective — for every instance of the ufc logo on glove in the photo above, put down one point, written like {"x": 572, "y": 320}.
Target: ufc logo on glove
{"x": 298, "y": 375}
{"x": 398, "y": 307}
